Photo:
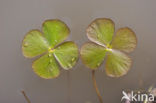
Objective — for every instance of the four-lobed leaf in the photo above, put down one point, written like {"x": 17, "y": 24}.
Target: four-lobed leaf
{"x": 49, "y": 46}
{"x": 101, "y": 32}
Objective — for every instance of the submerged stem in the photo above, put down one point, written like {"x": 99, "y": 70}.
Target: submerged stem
{"x": 95, "y": 86}
{"x": 68, "y": 86}
{"x": 25, "y": 96}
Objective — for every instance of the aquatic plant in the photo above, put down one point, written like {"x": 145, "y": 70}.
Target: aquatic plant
{"x": 104, "y": 45}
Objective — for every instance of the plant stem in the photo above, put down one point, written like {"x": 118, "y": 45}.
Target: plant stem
{"x": 95, "y": 86}
{"x": 68, "y": 86}
{"x": 25, "y": 96}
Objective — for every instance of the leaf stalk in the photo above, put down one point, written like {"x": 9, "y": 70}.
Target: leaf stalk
{"x": 25, "y": 96}
{"x": 95, "y": 86}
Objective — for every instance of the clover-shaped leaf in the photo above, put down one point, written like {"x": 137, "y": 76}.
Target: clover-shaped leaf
{"x": 48, "y": 46}
{"x": 101, "y": 32}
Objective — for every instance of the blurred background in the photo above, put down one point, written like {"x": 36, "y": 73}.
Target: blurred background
{"x": 17, "y": 17}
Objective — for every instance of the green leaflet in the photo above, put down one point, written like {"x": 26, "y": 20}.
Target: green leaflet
{"x": 124, "y": 40}
{"x": 34, "y": 44}
{"x": 92, "y": 55}
{"x": 101, "y": 31}
{"x": 55, "y": 31}
{"x": 117, "y": 63}
{"x": 46, "y": 67}
{"x": 66, "y": 54}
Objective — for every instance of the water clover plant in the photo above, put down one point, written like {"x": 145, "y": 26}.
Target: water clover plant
{"x": 106, "y": 45}
{"x": 48, "y": 44}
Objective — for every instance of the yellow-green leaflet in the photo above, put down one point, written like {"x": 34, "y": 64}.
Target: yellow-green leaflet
{"x": 92, "y": 55}
{"x": 46, "y": 66}
{"x": 117, "y": 63}
{"x": 34, "y": 44}
{"x": 124, "y": 40}
{"x": 67, "y": 54}
{"x": 101, "y": 31}
{"x": 55, "y": 31}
